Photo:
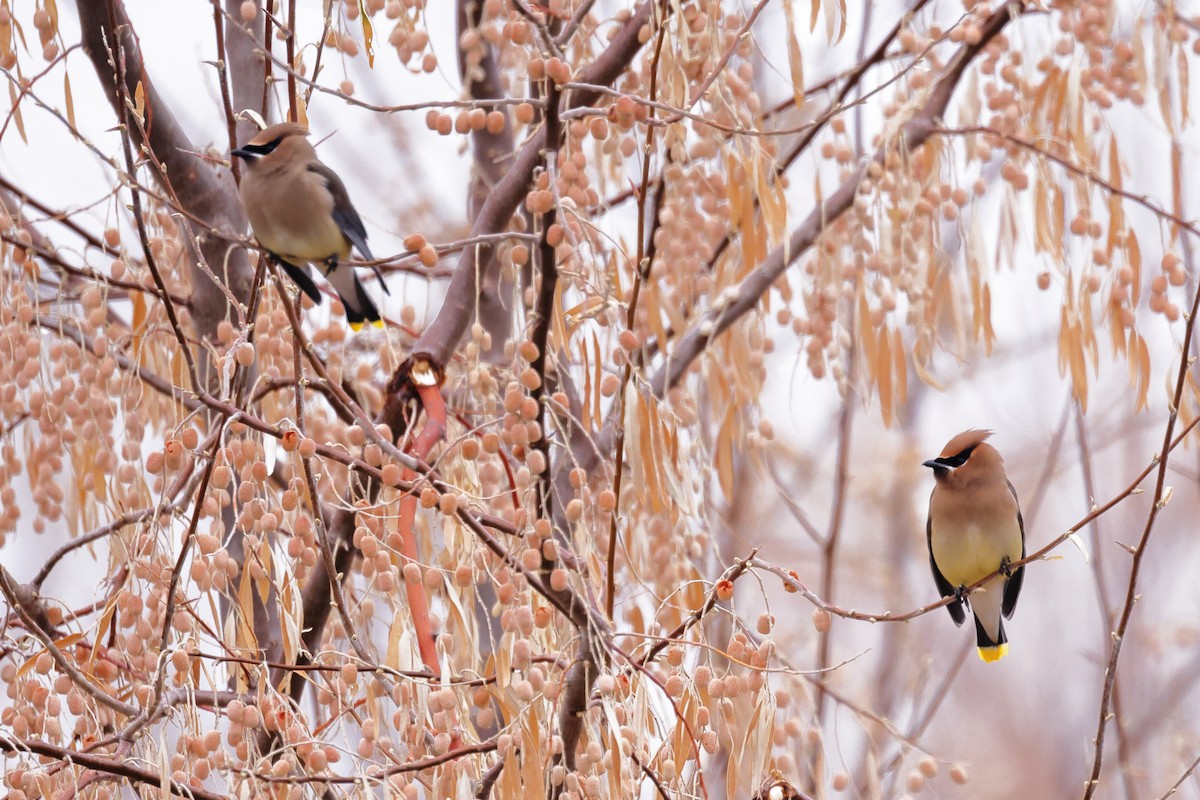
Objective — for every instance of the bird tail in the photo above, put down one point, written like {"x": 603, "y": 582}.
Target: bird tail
{"x": 361, "y": 309}
{"x": 991, "y": 650}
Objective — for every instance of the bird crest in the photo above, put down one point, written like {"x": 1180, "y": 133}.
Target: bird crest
{"x": 280, "y": 131}
{"x": 964, "y": 441}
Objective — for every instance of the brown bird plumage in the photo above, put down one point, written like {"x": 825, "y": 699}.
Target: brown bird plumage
{"x": 974, "y": 529}
{"x": 300, "y": 212}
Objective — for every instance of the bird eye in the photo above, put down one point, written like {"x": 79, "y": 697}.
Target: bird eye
{"x": 266, "y": 148}
{"x": 961, "y": 458}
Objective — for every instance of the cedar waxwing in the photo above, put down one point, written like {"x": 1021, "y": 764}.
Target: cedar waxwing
{"x": 300, "y": 212}
{"x": 974, "y": 529}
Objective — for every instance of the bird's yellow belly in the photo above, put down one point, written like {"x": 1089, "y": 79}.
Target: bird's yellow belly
{"x": 970, "y": 554}
{"x": 297, "y": 245}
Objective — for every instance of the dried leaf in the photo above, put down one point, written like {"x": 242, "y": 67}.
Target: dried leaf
{"x": 881, "y": 368}
{"x": 6, "y": 31}
{"x": 532, "y": 769}
{"x": 866, "y": 330}
{"x": 244, "y": 637}
{"x": 70, "y": 102}
{"x": 835, "y": 17}
{"x": 989, "y": 335}
{"x": 291, "y": 622}
{"x": 105, "y": 623}
{"x": 723, "y": 458}
{"x": 1139, "y": 369}
{"x": 16, "y": 112}
{"x": 368, "y": 33}
{"x": 920, "y": 360}
{"x": 1181, "y": 72}
{"x": 795, "y": 57}
{"x": 139, "y": 102}
{"x": 301, "y": 110}
{"x": 648, "y": 451}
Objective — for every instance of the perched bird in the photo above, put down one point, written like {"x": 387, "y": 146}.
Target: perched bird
{"x": 301, "y": 214}
{"x": 974, "y": 529}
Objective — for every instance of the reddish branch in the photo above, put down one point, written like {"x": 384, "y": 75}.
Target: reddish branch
{"x": 428, "y": 387}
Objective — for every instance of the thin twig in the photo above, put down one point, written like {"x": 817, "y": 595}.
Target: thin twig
{"x": 120, "y": 767}
{"x": 642, "y": 265}
{"x": 836, "y": 516}
{"x": 1158, "y": 502}
{"x": 1106, "y": 612}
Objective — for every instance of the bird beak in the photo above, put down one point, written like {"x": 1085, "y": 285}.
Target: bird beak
{"x": 240, "y": 153}
{"x": 937, "y": 463}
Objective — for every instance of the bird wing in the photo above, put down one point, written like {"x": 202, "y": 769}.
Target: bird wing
{"x": 943, "y": 585}
{"x": 346, "y": 217}
{"x": 1012, "y": 587}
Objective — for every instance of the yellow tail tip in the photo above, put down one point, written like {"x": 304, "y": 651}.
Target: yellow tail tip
{"x": 378, "y": 324}
{"x": 990, "y": 654}
{"x": 356, "y": 326}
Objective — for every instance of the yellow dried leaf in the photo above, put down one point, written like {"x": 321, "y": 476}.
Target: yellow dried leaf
{"x": 68, "y": 99}
{"x": 301, "y": 110}
{"x": 27, "y": 665}
{"x": 532, "y": 768}
{"x": 1133, "y": 253}
{"x": 596, "y": 422}
{"x": 1139, "y": 368}
{"x": 649, "y": 452}
{"x": 244, "y": 618}
{"x": 6, "y": 31}
{"x": 899, "y": 369}
{"x": 139, "y": 102}
{"x": 989, "y": 335}
{"x": 881, "y": 369}
{"x": 866, "y": 331}
{"x": 510, "y": 775}
{"x": 105, "y": 622}
{"x": 290, "y": 618}
{"x": 920, "y": 359}
{"x": 1116, "y": 224}
{"x": 1181, "y": 72}
{"x": 1114, "y": 162}
{"x": 262, "y": 583}
{"x": 368, "y": 33}
{"x": 724, "y": 452}
{"x": 841, "y": 21}
{"x": 586, "y": 397}
{"x": 795, "y": 57}
{"x": 16, "y": 112}
{"x": 178, "y": 367}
